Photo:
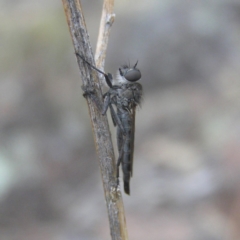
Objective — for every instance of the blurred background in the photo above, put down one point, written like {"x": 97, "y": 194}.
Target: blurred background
{"x": 187, "y": 150}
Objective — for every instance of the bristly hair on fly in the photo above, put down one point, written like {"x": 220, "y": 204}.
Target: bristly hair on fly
{"x": 125, "y": 66}
{"x": 119, "y": 78}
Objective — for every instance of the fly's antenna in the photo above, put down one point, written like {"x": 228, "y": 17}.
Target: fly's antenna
{"x": 135, "y": 64}
{"x": 129, "y": 63}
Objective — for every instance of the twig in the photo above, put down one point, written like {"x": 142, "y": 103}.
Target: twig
{"x": 107, "y": 20}
{"x": 102, "y": 136}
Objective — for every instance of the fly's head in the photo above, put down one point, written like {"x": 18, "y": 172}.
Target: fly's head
{"x": 131, "y": 74}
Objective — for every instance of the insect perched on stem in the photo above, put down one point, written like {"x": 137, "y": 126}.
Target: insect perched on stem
{"x": 125, "y": 95}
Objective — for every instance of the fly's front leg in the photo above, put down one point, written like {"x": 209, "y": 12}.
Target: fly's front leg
{"x": 108, "y": 77}
{"x": 116, "y": 120}
{"x": 89, "y": 91}
{"x": 107, "y": 103}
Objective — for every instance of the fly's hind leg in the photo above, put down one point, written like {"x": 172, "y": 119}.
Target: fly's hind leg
{"x": 119, "y": 162}
{"x": 121, "y": 136}
{"x": 121, "y": 140}
{"x": 124, "y": 155}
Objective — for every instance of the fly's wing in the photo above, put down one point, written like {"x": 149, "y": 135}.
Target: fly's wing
{"x": 132, "y": 139}
{"x": 119, "y": 139}
{"x": 137, "y": 92}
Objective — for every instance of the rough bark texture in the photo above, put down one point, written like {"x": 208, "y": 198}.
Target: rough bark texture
{"x": 101, "y": 133}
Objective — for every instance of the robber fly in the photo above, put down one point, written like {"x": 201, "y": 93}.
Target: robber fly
{"x": 125, "y": 95}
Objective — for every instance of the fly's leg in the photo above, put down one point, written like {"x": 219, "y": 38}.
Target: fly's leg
{"x": 108, "y": 77}
{"x": 125, "y": 150}
{"x": 119, "y": 160}
{"x": 116, "y": 120}
{"x": 107, "y": 103}
{"x": 124, "y": 160}
{"x": 89, "y": 91}
{"x": 122, "y": 140}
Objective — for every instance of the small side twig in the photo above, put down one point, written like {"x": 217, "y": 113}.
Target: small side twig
{"x": 102, "y": 136}
{"x": 107, "y": 20}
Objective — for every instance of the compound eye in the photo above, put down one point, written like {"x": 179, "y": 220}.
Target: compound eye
{"x": 133, "y": 74}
